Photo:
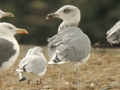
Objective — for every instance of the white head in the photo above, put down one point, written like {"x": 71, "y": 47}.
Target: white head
{"x": 35, "y": 51}
{"x": 7, "y": 29}
{"x": 6, "y": 14}
{"x": 68, "y": 13}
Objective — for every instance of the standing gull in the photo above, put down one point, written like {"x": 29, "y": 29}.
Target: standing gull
{"x": 113, "y": 35}
{"x": 5, "y": 14}
{"x": 9, "y": 48}
{"x": 34, "y": 63}
{"x": 70, "y": 44}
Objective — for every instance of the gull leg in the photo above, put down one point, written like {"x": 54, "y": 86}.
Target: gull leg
{"x": 59, "y": 78}
{"x": 20, "y": 73}
{"x": 55, "y": 60}
{"x": 76, "y": 70}
{"x": 21, "y": 77}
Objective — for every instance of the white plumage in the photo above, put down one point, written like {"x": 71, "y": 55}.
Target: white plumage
{"x": 33, "y": 63}
{"x": 113, "y": 35}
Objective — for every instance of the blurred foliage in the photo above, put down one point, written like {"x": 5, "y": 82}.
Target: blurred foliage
{"x": 98, "y": 16}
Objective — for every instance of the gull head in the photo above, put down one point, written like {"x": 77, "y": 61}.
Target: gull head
{"x": 67, "y": 13}
{"x": 6, "y": 14}
{"x": 7, "y": 29}
{"x": 35, "y": 51}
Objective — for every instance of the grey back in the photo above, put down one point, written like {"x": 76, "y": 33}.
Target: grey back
{"x": 72, "y": 44}
{"x": 6, "y": 50}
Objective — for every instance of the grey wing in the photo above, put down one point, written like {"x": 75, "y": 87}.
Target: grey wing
{"x": 36, "y": 65}
{"x": 53, "y": 43}
{"x": 113, "y": 36}
{"x": 51, "y": 38}
{"x": 6, "y": 50}
{"x": 74, "y": 49}
{"x": 55, "y": 40}
{"x": 74, "y": 44}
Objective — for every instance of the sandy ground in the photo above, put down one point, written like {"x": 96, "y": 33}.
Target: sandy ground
{"x": 101, "y": 72}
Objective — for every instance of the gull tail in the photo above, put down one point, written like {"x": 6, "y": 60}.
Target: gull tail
{"x": 56, "y": 60}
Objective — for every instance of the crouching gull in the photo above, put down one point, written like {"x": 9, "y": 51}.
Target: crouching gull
{"x": 5, "y": 14}
{"x": 34, "y": 64}
{"x": 113, "y": 35}
{"x": 70, "y": 44}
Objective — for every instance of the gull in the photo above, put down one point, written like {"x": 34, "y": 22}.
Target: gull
{"x": 113, "y": 35}
{"x": 5, "y": 14}
{"x": 33, "y": 64}
{"x": 70, "y": 44}
{"x": 9, "y": 47}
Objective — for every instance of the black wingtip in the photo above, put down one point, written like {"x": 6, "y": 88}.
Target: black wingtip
{"x": 23, "y": 79}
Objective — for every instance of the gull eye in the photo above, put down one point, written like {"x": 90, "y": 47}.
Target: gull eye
{"x": 10, "y": 27}
{"x": 67, "y": 10}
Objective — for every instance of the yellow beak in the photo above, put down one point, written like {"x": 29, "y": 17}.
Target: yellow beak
{"x": 21, "y": 31}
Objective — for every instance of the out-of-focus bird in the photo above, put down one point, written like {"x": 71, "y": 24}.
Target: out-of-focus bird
{"x": 113, "y": 35}
{"x": 5, "y": 14}
{"x": 34, "y": 64}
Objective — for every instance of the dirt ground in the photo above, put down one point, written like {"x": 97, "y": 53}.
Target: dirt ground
{"x": 101, "y": 72}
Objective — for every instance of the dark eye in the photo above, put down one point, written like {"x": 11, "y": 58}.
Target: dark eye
{"x": 10, "y": 27}
{"x": 67, "y": 10}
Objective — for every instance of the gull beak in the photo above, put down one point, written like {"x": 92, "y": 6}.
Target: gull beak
{"x": 52, "y": 15}
{"x": 21, "y": 31}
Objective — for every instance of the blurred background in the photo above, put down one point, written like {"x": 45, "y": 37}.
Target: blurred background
{"x": 98, "y": 16}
